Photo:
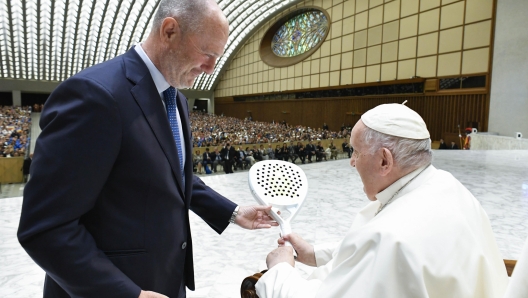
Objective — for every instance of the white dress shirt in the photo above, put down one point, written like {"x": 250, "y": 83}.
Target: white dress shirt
{"x": 161, "y": 85}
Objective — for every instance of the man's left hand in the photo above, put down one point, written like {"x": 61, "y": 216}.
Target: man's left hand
{"x": 255, "y": 217}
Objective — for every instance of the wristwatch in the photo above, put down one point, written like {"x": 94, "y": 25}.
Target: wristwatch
{"x": 234, "y": 215}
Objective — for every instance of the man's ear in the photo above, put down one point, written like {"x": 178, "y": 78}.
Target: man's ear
{"x": 387, "y": 161}
{"x": 170, "y": 30}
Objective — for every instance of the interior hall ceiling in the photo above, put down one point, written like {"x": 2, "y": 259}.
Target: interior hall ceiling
{"x": 48, "y": 40}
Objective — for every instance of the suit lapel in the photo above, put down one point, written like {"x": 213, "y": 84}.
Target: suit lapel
{"x": 147, "y": 97}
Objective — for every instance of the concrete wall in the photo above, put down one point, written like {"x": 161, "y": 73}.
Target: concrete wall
{"x": 509, "y": 86}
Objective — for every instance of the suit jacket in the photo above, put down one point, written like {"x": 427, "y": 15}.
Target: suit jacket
{"x": 204, "y": 156}
{"x": 214, "y": 156}
{"x": 232, "y": 153}
{"x": 26, "y": 166}
{"x": 310, "y": 148}
{"x": 105, "y": 213}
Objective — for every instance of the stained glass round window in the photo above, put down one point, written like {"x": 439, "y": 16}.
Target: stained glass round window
{"x": 300, "y": 34}
{"x": 295, "y": 36}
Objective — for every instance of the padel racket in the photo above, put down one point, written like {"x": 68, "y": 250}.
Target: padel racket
{"x": 281, "y": 184}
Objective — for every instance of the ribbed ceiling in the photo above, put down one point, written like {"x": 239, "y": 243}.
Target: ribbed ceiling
{"x": 52, "y": 40}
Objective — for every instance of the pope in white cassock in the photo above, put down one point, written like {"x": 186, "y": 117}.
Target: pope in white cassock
{"x": 422, "y": 235}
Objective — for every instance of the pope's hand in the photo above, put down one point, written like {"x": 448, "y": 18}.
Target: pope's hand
{"x": 149, "y": 294}
{"x": 255, "y": 217}
{"x": 305, "y": 251}
{"x": 279, "y": 255}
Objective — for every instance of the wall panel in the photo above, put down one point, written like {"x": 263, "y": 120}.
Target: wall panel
{"x": 411, "y": 33}
{"x": 441, "y": 113}
{"x": 370, "y": 41}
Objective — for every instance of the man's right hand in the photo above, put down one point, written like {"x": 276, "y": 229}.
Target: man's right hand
{"x": 149, "y": 294}
{"x": 305, "y": 251}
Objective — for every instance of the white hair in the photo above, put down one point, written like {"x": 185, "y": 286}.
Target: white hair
{"x": 407, "y": 153}
{"x": 190, "y": 14}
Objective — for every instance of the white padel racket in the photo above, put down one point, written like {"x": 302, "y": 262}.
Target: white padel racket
{"x": 281, "y": 184}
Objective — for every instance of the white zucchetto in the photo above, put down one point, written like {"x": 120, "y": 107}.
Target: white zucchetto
{"x": 396, "y": 120}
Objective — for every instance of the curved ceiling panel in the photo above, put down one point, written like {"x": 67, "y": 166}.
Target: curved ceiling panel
{"x": 50, "y": 40}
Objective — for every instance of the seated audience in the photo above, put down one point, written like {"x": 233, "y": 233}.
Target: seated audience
{"x": 15, "y": 126}
{"x": 278, "y": 154}
{"x": 264, "y": 153}
{"x": 211, "y": 130}
{"x": 257, "y": 155}
{"x": 443, "y": 145}
{"x": 241, "y": 159}
{"x": 292, "y": 154}
{"x": 197, "y": 161}
{"x": 346, "y": 148}
{"x": 250, "y": 159}
{"x": 320, "y": 152}
{"x": 310, "y": 150}
{"x": 207, "y": 159}
{"x": 217, "y": 159}
{"x": 285, "y": 152}
{"x": 299, "y": 150}
{"x": 333, "y": 150}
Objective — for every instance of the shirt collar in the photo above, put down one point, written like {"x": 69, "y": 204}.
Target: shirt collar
{"x": 159, "y": 79}
{"x": 384, "y": 196}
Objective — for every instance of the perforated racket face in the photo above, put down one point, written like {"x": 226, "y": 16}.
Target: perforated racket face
{"x": 278, "y": 182}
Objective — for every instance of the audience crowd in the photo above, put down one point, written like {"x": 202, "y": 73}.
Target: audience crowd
{"x": 239, "y": 144}
{"x": 15, "y": 125}
{"x": 212, "y": 130}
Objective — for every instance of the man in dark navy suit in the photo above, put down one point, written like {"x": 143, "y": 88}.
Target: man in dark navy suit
{"x": 106, "y": 212}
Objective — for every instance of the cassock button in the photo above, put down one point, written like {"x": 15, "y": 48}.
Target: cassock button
{"x": 184, "y": 245}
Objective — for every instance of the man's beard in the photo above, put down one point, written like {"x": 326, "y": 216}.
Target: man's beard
{"x": 172, "y": 63}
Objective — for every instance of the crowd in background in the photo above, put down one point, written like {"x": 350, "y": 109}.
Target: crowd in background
{"x": 212, "y": 130}
{"x": 15, "y": 125}
{"x": 238, "y": 144}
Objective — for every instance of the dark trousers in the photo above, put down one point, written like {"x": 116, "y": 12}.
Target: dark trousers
{"x": 310, "y": 154}
{"x": 216, "y": 163}
{"x": 228, "y": 166}
{"x": 319, "y": 155}
{"x": 347, "y": 150}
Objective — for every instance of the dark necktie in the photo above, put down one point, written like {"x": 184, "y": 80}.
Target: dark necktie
{"x": 170, "y": 102}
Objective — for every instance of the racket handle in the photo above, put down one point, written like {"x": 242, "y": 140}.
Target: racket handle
{"x": 285, "y": 228}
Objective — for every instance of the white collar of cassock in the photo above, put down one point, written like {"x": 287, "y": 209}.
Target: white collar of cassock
{"x": 384, "y": 196}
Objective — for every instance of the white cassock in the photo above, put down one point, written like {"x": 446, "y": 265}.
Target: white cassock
{"x": 433, "y": 240}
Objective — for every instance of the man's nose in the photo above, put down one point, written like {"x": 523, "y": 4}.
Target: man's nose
{"x": 208, "y": 66}
{"x": 353, "y": 161}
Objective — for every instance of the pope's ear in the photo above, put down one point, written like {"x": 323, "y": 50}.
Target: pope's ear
{"x": 387, "y": 161}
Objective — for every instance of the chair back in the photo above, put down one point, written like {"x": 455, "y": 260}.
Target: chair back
{"x": 247, "y": 289}
{"x": 518, "y": 286}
